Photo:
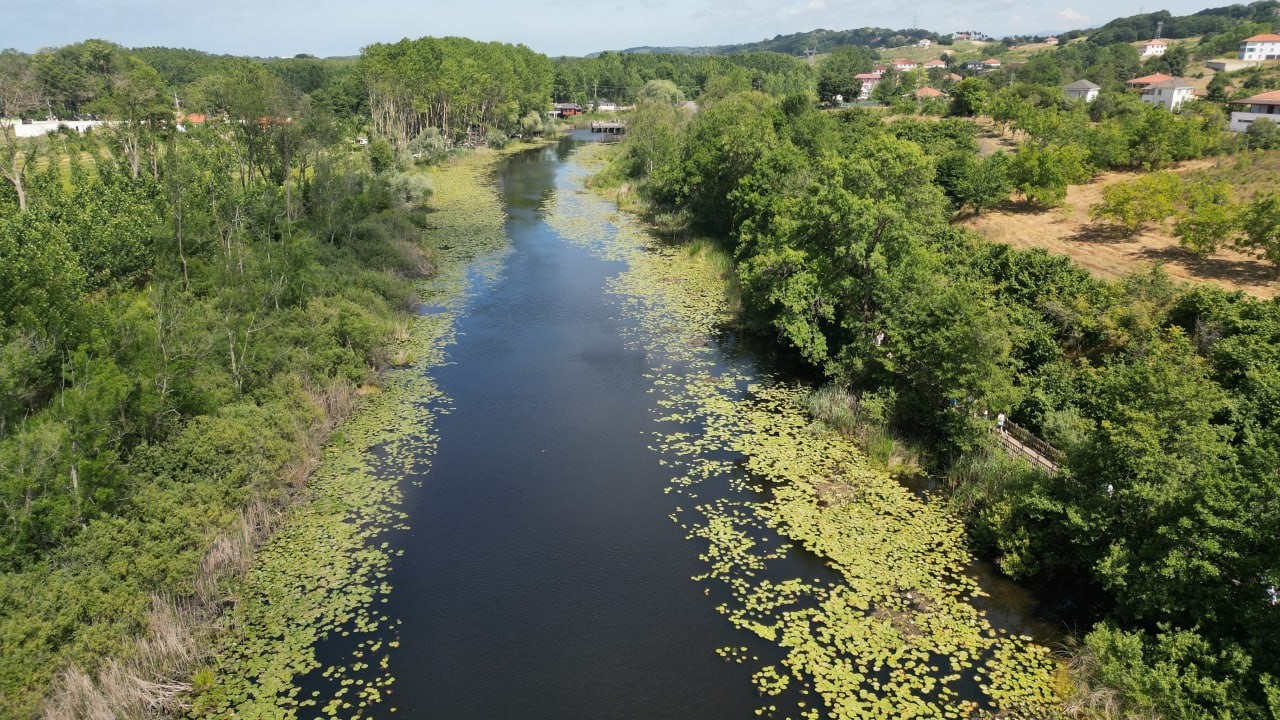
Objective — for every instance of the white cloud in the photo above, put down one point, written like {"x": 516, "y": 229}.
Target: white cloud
{"x": 1072, "y": 16}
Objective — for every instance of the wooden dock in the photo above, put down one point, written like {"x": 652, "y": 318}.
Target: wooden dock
{"x": 615, "y": 127}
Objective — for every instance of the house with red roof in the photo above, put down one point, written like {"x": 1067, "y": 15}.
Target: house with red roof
{"x": 868, "y": 83}
{"x": 903, "y": 65}
{"x": 1140, "y": 82}
{"x": 1169, "y": 94}
{"x": 1266, "y": 105}
{"x": 1260, "y": 47}
{"x": 932, "y": 64}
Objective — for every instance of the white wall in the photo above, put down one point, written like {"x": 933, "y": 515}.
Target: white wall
{"x": 1240, "y": 121}
{"x": 1259, "y": 50}
{"x": 44, "y": 127}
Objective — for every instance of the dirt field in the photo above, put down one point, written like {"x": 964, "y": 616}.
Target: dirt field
{"x": 1067, "y": 231}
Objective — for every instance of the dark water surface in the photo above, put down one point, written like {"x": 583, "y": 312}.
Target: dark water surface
{"x": 542, "y": 577}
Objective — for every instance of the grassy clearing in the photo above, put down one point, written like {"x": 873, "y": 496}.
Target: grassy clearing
{"x": 1069, "y": 231}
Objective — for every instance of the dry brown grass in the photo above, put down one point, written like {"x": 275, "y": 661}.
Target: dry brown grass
{"x": 152, "y": 679}
{"x": 1098, "y": 248}
{"x": 153, "y": 682}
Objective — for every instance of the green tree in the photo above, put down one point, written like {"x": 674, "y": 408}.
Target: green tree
{"x": 836, "y": 75}
{"x": 1211, "y": 219}
{"x": 1260, "y": 225}
{"x": 886, "y": 91}
{"x": 662, "y": 91}
{"x": 722, "y": 145}
{"x": 1217, "y": 88}
{"x": 1175, "y": 673}
{"x": 823, "y": 266}
{"x": 1263, "y": 134}
{"x": 976, "y": 183}
{"x": 1042, "y": 174}
{"x": 135, "y": 97}
{"x": 20, "y": 95}
{"x": 1131, "y": 204}
{"x": 969, "y": 97}
{"x": 653, "y": 137}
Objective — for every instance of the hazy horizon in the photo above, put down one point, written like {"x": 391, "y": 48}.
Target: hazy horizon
{"x": 552, "y": 27}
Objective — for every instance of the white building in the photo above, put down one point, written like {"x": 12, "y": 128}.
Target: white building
{"x": 1260, "y": 47}
{"x": 1154, "y": 47}
{"x": 1266, "y": 105}
{"x": 924, "y": 42}
{"x": 1082, "y": 89}
{"x": 868, "y": 83}
{"x": 1170, "y": 94}
{"x": 904, "y": 65}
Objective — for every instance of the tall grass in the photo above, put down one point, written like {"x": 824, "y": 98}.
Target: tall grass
{"x": 719, "y": 262}
{"x": 865, "y": 418}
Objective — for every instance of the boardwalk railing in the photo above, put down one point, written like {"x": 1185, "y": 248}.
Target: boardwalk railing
{"x": 1021, "y": 443}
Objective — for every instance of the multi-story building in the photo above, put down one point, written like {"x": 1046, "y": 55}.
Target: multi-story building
{"x": 1260, "y": 47}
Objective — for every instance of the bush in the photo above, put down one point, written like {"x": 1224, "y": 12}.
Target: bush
{"x": 496, "y": 140}
{"x": 1263, "y": 134}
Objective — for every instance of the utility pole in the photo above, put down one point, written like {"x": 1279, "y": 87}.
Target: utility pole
{"x": 812, "y": 53}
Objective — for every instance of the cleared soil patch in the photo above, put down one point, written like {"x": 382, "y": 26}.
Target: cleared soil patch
{"x": 1098, "y": 248}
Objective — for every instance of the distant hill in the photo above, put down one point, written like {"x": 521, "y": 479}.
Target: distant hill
{"x": 1204, "y": 22}
{"x": 1210, "y": 21}
{"x": 824, "y": 41}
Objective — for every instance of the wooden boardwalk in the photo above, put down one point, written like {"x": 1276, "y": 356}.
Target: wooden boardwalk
{"x": 608, "y": 126}
{"x": 1020, "y": 443}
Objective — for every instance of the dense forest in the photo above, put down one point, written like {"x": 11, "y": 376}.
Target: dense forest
{"x": 798, "y": 44}
{"x": 621, "y": 77}
{"x": 1157, "y": 541}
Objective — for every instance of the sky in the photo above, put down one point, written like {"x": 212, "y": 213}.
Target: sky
{"x": 554, "y": 27}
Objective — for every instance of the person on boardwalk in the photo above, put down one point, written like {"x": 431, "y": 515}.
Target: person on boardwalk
{"x": 1000, "y": 422}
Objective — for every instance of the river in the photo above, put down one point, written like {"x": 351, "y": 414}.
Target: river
{"x": 540, "y": 574}
{"x": 542, "y": 577}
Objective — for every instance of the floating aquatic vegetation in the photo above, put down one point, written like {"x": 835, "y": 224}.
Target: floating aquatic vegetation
{"x": 891, "y": 631}
{"x": 323, "y": 576}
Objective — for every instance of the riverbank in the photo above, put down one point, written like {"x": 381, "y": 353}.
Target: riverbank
{"x": 896, "y": 632}
{"x": 322, "y": 577}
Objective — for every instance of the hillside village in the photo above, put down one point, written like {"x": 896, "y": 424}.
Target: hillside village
{"x": 934, "y": 77}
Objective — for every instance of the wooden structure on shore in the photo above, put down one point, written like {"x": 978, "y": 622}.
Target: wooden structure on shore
{"x": 1020, "y": 443}
{"x": 615, "y": 127}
